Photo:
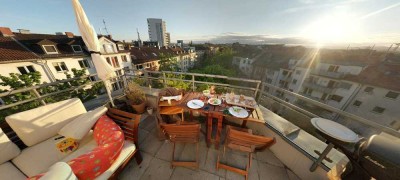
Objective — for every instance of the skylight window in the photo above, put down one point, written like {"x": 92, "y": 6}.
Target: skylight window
{"x": 77, "y": 48}
{"x": 50, "y": 49}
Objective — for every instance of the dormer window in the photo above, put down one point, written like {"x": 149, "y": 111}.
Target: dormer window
{"x": 77, "y": 48}
{"x": 50, "y": 49}
{"x": 109, "y": 48}
{"x": 121, "y": 47}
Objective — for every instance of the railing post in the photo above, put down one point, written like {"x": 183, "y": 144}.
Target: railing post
{"x": 38, "y": 96}
{"x": 193, "y": 86}
{"x": 146, "y": 76}
{"x": 261, "y": 92}
{"x": 164, "y": 79}
{"x": 256, "y": 91}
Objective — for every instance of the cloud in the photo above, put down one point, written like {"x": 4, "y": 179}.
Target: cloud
{"x": 232, "y": 37}
{"x": 312, "y": 5}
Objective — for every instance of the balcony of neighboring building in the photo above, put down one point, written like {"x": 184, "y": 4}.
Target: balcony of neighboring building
{"x": 329, "y": 89}
{"x": 328, "y": 73}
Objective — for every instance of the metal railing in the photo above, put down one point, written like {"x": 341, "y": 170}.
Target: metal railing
{"x": 257, "y": 87}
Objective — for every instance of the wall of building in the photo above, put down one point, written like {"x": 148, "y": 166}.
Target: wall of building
{"x": 391, "y": 114}
{"x": 6, "y": 69}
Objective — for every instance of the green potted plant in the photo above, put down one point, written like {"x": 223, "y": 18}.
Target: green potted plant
{"x": 136, "y": 97}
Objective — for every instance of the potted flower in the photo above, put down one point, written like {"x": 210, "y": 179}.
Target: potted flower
{"x": 136, "y": 97}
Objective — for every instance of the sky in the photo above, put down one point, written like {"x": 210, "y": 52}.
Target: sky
{"x": 221, "y": 21}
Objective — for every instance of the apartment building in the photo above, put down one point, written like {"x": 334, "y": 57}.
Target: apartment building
{"x": 378, "y": 97}
{"x": 361, "y": 82}
{"x": 55, "y": 55}
{"x": 158, "y": 31}
{"x": 149, "y": 57}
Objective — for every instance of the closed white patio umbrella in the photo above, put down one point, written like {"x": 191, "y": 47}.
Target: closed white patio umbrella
{"x": 104, "y": 71}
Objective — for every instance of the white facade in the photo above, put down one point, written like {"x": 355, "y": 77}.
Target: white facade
{"x": 157, "y": 31}
{"x": 375, "y": 105}
{"x": 244, "y": 64}
{"x": 53, "y": 69}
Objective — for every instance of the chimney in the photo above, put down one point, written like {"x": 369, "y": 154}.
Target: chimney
{"x": 69, "y": 34}
{"x": 24, "y": 31}
{"x": 5, "y": 31}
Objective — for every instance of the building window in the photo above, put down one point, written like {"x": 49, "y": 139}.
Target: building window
{"x": 121, "y": 47}
{"x": 92, "y": 78}
{"x": 77, "y": 48}
{"x": 124, "y": 59}
{"x": 336, "y": 98}
{"x": 108, "y": 48}
{"x": 392, "y": 95}
{"x": 118, "y": 73}
{"x": 333, "y": 68}
{"x": 84, "y": 64}
{"x": 26, "y": 69}
{"x": 344, "y": 85}
{"x": 60, "y": 66}
{"x": 369, "y": 89}
{"x": 378, "y": 110}
{"x": 294, "y": 81}
{"x": 357, "y": 103}
{"x": 50, "y": 49}
{"x": 113, "y": 61}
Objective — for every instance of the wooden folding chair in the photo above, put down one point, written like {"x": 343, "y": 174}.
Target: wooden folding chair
{"x": 243, "y": 140}
{"x": 183, "y": 133}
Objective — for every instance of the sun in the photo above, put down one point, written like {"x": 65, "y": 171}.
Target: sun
{"x": 333, "y": 29}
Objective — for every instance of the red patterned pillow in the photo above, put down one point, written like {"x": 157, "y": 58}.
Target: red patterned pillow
{"x": 110, "y": 140}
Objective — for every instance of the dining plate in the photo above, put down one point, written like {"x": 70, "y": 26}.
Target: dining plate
{"x": 195, "y": 104}
{"x": 335, "y": 130}
{"x": 214, "y": 101}
{"x": 238, "y": 112}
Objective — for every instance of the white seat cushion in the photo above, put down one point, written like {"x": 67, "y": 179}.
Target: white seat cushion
{"x": 8, "y": 149}
{"x": 9, "y": 171}
{"x": 39, "y": 124}
{"x": 81, "y": 125}
{"x": 127, "y": 150}
{"x": 37, "y": 159}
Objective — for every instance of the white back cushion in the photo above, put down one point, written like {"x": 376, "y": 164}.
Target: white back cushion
{"x": 36, "y": 125}
{"x": 81, "y": 125}
{"x": 8, "y": 150}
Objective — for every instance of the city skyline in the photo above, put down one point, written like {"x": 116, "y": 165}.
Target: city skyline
{"x": 296, "y": 22}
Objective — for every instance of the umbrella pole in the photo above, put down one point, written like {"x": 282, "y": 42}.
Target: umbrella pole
{"x": 107, "y": 85}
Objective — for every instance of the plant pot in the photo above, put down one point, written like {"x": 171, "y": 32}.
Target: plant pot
{"x": 139, "y": 108}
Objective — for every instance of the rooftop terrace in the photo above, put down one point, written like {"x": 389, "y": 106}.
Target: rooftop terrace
{"x": 298, "y": 145}
{"x": 157, "y": 157}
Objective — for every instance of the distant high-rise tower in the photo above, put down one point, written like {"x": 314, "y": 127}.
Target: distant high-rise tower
{"x": 168, "y": 38}
{"x": 157, "y": 31}
{"x": 179, "y": 43}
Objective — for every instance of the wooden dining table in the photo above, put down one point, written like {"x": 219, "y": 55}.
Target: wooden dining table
{"x": 212, "y": 112}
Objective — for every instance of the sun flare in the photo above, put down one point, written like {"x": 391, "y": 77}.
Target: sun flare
{"x": 333, "y": 29}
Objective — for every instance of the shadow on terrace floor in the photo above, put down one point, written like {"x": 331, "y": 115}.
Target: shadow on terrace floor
{"x": 157, "y": 155}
